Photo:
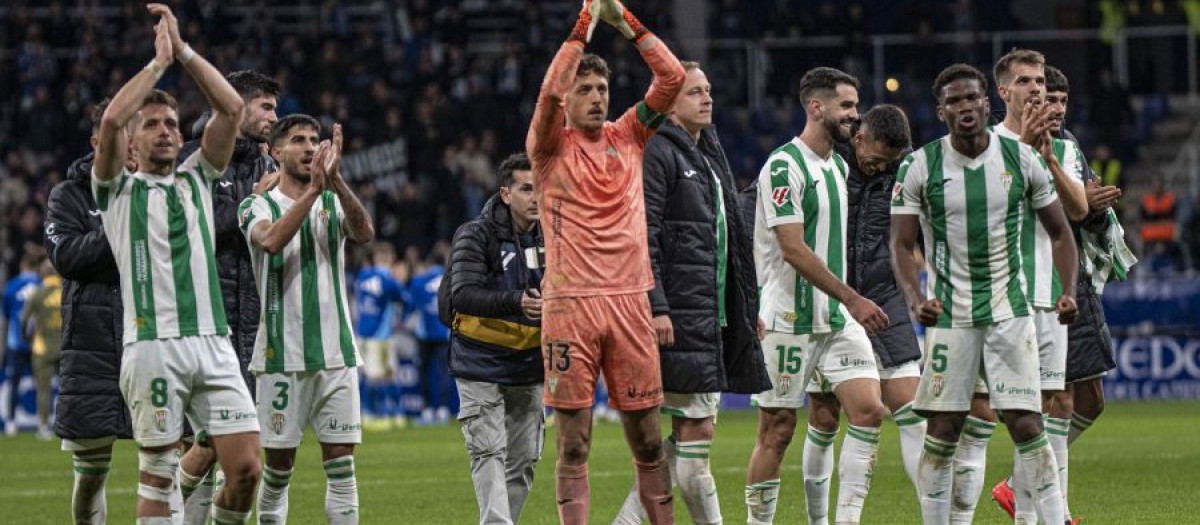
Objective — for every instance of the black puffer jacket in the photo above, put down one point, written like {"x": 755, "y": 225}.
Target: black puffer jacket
{"x": 480, "y": 299}
{"x": 681, "y": 217}
{"x": 89, "y": 400}
{"x": 868, "y": 258}
{"x": 234, "y": 266}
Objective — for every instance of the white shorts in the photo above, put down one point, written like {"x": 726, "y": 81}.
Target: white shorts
{"x": 820, "y": 385}
{"x": 691, "y": 406}
{"x": 1052, "y": 349}
{"x": 378, "y": 359}
{"x": 77, "y": 445}
{"x": 194, "y": 376}
{"x": 326, "y": 399}
{"x": 1005, "y": 354}
{"x": 793, "y": 360}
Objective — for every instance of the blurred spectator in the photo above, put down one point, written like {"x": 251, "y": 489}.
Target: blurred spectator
{"x": 1158, "y": 225}
{"x": 42, "y": 321}
{"x": 1109, "y": 171}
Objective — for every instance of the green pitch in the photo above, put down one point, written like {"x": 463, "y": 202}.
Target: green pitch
{"x": 1139, "y": 464}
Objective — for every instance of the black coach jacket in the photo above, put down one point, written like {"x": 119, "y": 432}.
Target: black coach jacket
{"x": 480, "y": 299}
{"x": 868, "y": 258}
{"x": 89, "y": 401}
{"x": 234, "y": 266}
{"x": 681, "y": 226}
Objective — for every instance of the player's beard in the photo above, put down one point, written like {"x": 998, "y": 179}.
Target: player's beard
{"x": 253, "y": 131}
{"x": 834, "y": 128}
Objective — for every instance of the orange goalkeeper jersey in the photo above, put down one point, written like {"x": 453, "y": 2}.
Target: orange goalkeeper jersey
{"x": 593, "y": 212}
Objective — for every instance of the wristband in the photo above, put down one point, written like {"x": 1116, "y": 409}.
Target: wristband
{"x": 187, "y": 54}
{"x": 156, "y": 69}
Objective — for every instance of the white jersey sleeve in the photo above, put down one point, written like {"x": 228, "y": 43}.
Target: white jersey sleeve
{"x": 908, "y": 196}
{"x": 780, "y": 190}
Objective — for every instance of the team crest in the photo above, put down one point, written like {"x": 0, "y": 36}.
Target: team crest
{"x": 277, "y": 420}
{"x": 938, "y": 382}
{"x": 552, "y": 383}
{"x": 324, "y": 215}
{"x": 785, "y": 384}
{"x": 780, "y": 196}
{"x": 160, "y": 419}
{"x": 1006, "y": 178}
{"x": 612, "y": 152}
{"x": 898, "y": 194}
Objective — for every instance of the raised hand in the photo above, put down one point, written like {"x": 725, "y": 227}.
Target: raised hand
{"x": 610, "y": 11}
{"x": 266, "y": 183}
{"x": 1099, "y": 197}
{"x": 172, "y": 23}
{"x": 163, "y": 53}
{"x": 334, "y": 162}
{"x": 1035, "y": 123}
{"x": 320, "y": 166}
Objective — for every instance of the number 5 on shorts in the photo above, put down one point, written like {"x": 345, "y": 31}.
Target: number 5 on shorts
{"x": 158, "y": 392}
{"x": 938, "y": 359}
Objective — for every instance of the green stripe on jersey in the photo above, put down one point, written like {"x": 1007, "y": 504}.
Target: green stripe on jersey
{"x": 181, "y": 262}
{"x": 143, "y": 274}
{"x": 836, "y": 259}
{"x": 978, "y": 244}
{"x": 314, "y": 351}
{"x": 935, "y": 194}
{"x": 345, "y": 338}
{"x": 1017, "y": 300}
{"x": 804, "y": 292}
{"x": 210, "y": 255}
{"x": 273, "y": 304}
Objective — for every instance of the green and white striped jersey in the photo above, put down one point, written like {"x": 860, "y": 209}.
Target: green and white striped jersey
{"x": 305, "y": 323}
{"x": 797, "y": 186}
{"x": 160, "y": 229}
{"x": 1038, "y": 261}
{"x": 972, "y": 212}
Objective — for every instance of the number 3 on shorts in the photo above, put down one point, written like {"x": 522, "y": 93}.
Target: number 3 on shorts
{"x": 938, "y": 359}
{"x": 158, "y": 392}
{"x": 281, "y": 398}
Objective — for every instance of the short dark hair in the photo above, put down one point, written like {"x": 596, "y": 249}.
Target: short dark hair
{"x": 250, "y": 84}
{"x": 1002, "y": 71}
{"x": 887, "y": 124}
{"x": 279, "y": 131}
{"x": 957, "y": 72}
{"x": 823, "y": 79}
{"x": 1056, "y": 80}
{"x": 592, "y": 64}
{"x": 514, "y": 162}
{"x": 98, "y": 114}
{"x": 159, "y": 96}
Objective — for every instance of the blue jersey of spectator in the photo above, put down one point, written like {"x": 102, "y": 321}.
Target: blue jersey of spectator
{"x": 375, "y": 291}
{"x": 18, "y": 290}
{"x": 422, "y": 291}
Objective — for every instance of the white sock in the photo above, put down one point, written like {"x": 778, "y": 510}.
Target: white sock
{"x": 761, "y": 498}
{"x": 1056, "y": 433}
{"x": 817, "y": 465}
{"x": 912, "y": 439}
{"x": 1040, "y": 473}
{"x": 696, "y": 482}
{"x": 153, "y": 520}
{"x": 341, "y": 491}
{"x": 1078, "y": 425}
{"x": 89, "y": 503}
{"x": 935, "y": 478}
{"x": 855, "y": 469}
{"x": 970, "y": 463}
{"x": 273, "y": 496}
{"x": 222, "y": 516}
{"x": 197, "y": 492}
{"x": 631, "y": 512}
{"x": 1024, "y": 511}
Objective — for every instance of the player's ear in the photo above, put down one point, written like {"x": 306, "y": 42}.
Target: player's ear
{"x": 940, "y": 114}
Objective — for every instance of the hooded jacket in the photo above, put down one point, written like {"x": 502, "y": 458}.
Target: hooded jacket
{"x": 480, "y": 299}
{"x": 89, "y": 401}
{"x": 680, "y": 178}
